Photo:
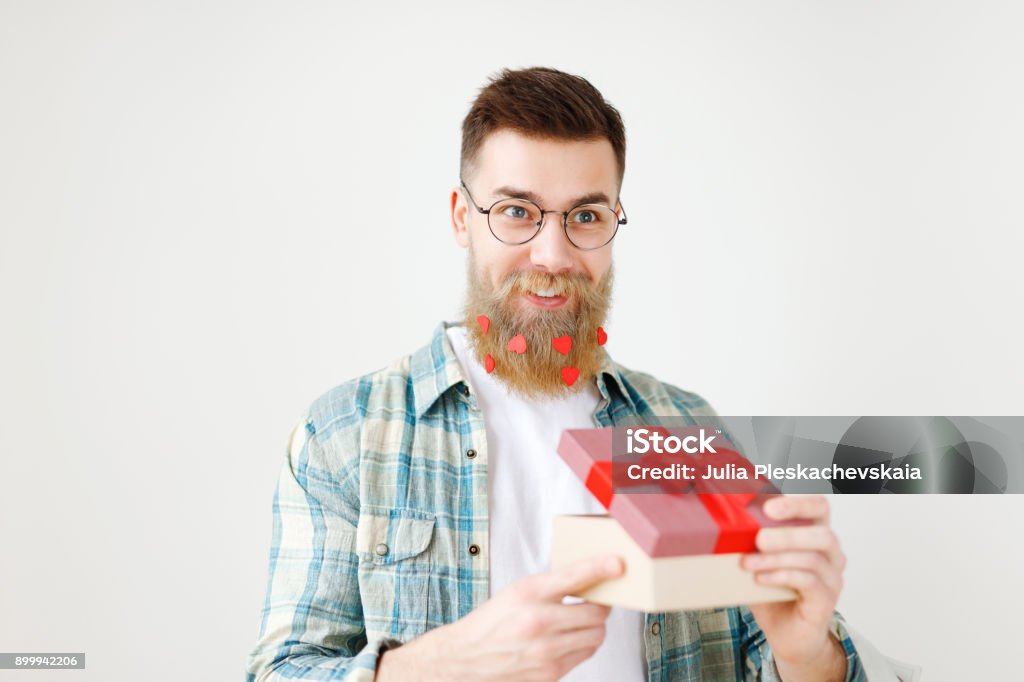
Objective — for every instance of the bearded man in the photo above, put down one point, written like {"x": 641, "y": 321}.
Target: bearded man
{"x": 412, "y": 519}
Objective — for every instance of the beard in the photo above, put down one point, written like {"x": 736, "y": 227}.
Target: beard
{"x": 539, "y": 371}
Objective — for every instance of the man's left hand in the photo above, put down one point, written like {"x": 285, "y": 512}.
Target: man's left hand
{"x": 808, "y": 560}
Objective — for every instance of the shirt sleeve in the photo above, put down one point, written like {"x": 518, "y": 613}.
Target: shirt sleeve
{"x": 312, "y": 621}
{"x": 759, "y": 662}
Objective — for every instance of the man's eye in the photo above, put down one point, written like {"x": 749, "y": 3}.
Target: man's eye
{"x": 516, "y": 212}
{"x": 586, "y": 217}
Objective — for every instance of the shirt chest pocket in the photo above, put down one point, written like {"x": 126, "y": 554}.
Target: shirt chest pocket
{"x": 394, "y": 570}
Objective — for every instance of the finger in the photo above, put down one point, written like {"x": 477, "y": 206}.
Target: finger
{"x": 813, "y": 507}
{"x": 816, "y": 562}
{"x": 801, "y": 539}
{"x": 578, "y": 576}
{"x": 549, "y": 618}
{"x": 806, "y": 584}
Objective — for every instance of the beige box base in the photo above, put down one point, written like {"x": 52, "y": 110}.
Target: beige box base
{"x": 664, "y": 584}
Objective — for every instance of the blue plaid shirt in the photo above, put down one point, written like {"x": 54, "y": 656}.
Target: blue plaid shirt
{"x": 383, "y": 491}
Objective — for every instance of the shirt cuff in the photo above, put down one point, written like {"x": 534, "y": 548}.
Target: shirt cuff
{"x": 368, "y": 658}
{"x": 854, "y": 670}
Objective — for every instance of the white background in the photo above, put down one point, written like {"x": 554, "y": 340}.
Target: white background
{"x": 212, "y": 212}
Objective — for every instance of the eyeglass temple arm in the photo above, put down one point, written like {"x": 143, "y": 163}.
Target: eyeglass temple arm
{"x": 472, "y": 200}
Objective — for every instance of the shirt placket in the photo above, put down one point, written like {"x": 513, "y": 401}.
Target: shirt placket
{"x": 473, "y": 510}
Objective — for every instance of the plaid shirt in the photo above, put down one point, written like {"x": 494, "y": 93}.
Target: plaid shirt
{"x": 381, "y": 495}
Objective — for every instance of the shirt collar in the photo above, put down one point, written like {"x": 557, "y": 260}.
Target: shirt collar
{"x": 610, "y": 371}
{"x": 434, "y": 369}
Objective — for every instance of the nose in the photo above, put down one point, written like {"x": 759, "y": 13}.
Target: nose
{"x": 551, "y": 250}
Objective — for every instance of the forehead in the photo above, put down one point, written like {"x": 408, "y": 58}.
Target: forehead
{"x": 556, "y": 170}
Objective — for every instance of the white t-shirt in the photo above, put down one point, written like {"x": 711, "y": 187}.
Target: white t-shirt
{"x": 529, "y": 486}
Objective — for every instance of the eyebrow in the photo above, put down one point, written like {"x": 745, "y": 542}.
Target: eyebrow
{"x": 592, "y": 198}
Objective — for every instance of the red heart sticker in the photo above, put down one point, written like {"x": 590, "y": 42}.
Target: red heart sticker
{"x": 562, "y": 344}
{"x": 517, "y": 344}
{"x": 484, "y": 322}
{"x": 602, "y": 336}
{"x": 570, "y": 375}
{"x": 488, "y": 363}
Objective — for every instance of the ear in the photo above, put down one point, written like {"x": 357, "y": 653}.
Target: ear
{"x": 460, "y": 213}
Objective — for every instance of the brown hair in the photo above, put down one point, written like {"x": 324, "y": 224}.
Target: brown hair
{"x": 542, "y": 102}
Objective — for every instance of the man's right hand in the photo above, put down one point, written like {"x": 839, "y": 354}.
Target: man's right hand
{"x": 524, "y": 633}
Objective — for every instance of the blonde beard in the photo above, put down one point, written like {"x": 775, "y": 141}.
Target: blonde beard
{"x": 537, "y": 372}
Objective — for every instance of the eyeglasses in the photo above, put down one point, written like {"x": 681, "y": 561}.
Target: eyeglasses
{"x": 516, "y": 221}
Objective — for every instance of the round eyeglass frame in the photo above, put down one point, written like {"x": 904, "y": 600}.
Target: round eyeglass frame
{"x": 540, "y": 225}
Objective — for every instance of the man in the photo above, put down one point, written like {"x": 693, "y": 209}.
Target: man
{"x": 412, "y": 516}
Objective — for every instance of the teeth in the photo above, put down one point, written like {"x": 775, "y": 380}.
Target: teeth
{"x": 546, "y": 293}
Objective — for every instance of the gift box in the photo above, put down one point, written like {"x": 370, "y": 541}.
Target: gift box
{"x": 681, "y": 539}
{"x": 668, "y": 583}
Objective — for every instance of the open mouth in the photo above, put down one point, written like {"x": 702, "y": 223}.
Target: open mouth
{"x": 546, "y": 298}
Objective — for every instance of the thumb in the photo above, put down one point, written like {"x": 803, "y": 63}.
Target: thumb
{"x": 579, "y": 575}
